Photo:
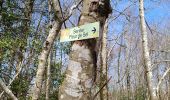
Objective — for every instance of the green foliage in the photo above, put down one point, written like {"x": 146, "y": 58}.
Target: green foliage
{"x": 65, "y": 47}
{"x": 140, "y": 93}
{"x": 54, "y": 95}
{"x": 56, "y": 76}
{"x": 20, "y": 87}
{"x": 37, "y": 45}
{"x": 11, "y": 33}
{"x": 13, "y": 37}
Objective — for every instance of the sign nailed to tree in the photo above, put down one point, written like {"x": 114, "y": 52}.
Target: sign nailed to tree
{"x": 81, "y": 32}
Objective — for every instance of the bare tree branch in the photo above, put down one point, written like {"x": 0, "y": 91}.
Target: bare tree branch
{"x": 162, "y": 78}
{"x": 102, "y": 88}
{"x": 72, "y": 9}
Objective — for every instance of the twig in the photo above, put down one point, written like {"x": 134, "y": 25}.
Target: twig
{"x": 122, "y": 12}
{"x": 148, "y": 26}
{"x": 101, "y": 88}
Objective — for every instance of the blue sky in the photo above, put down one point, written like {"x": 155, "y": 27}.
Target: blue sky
{"x": 156, "y": 12}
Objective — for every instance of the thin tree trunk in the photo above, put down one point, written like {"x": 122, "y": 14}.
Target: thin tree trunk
{"x": 127, "y": 74}
{"x": 158, "y": 79}
{"x": 43, "y": 57}
{"x": 82, "y": 63}
{"x": 147, "y": 60}
{"x": 7, "y": 91}
{"x": 118, "y": 69}
{"x": 120, "y": 86}
{"x": 128, "y": 81}
{"x": 45, "y": 52}
{"x": 127, "y": 57}
{"x": 168, "y": 81}
{"x": 118, "y": 62}
{"x": 168, "y": 64}
{"x": 50, "y": 56}
{"x": 48, "y": 77}
{"x": 104, "y": 75}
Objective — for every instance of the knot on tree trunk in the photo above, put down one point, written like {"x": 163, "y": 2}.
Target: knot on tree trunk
{"x": 46, "y": 45}
{"x": 94, "y": 6}
{"x": 105, "y": 8}
{"x": 102, "y": 7}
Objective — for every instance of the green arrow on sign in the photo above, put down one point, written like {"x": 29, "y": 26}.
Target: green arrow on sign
{"x": 86, "y": 31}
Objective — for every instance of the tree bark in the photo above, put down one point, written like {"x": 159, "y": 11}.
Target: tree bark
{"x": 50, "y": 56}
{"x": 48, "y": 77}
{"x": 7, "y": 91}
{"x": 127, "y": 74}
{"x": 104, "y": 75}
{"x": 43, "y": 57}
{"x": 80, "y": 73}
{"x": 147, "y": 60}
{"x": 46, "y": 50}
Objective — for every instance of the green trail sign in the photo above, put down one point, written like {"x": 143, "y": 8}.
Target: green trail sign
{"x": 87, "y": 31}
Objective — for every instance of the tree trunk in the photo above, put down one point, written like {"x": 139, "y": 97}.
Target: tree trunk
{"x": 46, "y": 50}
{"x": 104, "y": 75}
{"x": 48, "y": 77}
{"x": 7, "y": 91}
{"x": 147, "y": 60}
{"x": 127, "y": 74}
{"x": 43, "y": 57}
{"x": 118, "y": 69}
{"x": 80, "y": 73}
{"x": 50, "y": 56}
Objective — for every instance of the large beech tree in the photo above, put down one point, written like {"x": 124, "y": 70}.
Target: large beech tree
{"x": 80, "y": 73}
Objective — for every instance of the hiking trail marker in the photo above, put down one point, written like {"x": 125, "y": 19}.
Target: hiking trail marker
{"x": 86, "y": 31}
